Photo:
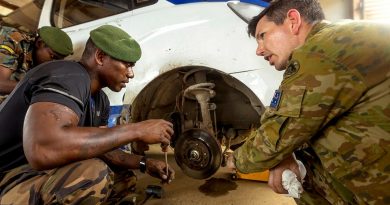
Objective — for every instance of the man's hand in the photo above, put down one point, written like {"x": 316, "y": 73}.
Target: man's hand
{"x": 155, "y": 131}
{"x": 139, "y": 147}
{"x": 275, "y": 175}
{"x": 158, "y": 169}
{"x": 164, "y": 147}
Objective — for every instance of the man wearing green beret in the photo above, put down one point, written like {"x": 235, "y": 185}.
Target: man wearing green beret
{"x": 53, "y": 150}
{"x": 20, "y": 51}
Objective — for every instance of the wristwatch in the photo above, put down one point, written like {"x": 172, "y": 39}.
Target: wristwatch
{"x": 142, "y": 164}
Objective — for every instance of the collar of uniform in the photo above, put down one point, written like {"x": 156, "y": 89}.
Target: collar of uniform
{"x": 317, "y": 27}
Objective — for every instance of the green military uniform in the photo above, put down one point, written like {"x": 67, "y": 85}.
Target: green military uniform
{"x": 334, "y": 106}
{"x": 16, "y": 52}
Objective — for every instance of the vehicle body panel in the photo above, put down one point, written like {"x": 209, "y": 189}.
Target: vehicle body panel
{"x": 171, "y": 36}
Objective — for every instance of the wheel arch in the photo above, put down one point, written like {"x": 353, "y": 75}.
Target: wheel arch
{"x": 234, "y": 100}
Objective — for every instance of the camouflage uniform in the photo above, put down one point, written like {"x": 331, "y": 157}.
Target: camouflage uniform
{"x": 16, "y": 52}
{"x": 85, "y": 182}
{"x": 333, "y": 105}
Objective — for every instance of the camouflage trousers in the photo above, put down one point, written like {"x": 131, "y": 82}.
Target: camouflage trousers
{"x": 322, "y": 189}
{"x": 85, "y": 182}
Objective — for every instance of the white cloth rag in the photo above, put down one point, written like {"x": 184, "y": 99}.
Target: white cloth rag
{"x": 291, "y": 183}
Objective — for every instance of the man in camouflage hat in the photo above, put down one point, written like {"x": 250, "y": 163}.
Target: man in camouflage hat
{"x": 20, "y": 51}
{"x": 332, "y": 108}
{"x": 53, "y": 148}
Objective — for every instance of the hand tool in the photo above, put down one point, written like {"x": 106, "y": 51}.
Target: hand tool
{"x": 152, "y": 191}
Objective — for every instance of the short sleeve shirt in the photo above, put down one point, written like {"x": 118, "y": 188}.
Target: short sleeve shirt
{"x": 62, "y": 82}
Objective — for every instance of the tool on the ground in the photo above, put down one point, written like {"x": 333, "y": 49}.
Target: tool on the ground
{"x": 153, "y": 191}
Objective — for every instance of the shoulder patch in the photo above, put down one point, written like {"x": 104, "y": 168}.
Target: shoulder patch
{"x": 292, "y": 68}
{"x": 276, "y": 99}
{"x": 7, "y": 48}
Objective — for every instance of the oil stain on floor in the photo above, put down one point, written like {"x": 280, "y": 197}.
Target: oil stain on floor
{"x": 217, "y": 187}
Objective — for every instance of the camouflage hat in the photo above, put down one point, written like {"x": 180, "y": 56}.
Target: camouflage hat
{"x": 56, "y": 39}
{"x": 116, "y": 43}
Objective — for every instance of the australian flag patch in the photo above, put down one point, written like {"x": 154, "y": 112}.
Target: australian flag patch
{"x": 275, "y": 99}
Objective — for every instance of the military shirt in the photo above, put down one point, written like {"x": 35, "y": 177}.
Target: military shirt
{"x": 335, "y": 98}
{"x": 16, "y": 51}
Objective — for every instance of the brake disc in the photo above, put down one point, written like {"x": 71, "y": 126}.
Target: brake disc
{"x": 198, "y": 154}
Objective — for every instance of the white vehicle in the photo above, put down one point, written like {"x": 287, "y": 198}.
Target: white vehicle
{"x": 198, "y": 67}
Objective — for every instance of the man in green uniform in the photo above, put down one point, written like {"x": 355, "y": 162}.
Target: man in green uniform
{"x": 332, "y": 108}
{"x": 20, "y": 51}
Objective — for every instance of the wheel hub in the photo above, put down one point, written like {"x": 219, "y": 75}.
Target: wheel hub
{"x": 198, "y": 154}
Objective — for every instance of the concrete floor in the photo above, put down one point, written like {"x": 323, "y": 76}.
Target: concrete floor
{"x": 219, "y": 189}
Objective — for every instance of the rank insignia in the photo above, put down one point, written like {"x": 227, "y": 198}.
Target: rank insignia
{"x": 292, "y": 68}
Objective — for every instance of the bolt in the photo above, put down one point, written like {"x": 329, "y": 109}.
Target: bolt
{"x": 194, "y": 155}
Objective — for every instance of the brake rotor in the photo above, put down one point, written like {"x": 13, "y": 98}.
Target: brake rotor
{"x": 198, "y": 154}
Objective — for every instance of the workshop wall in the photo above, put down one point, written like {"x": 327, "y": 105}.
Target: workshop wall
{"x": 337, "y": 9}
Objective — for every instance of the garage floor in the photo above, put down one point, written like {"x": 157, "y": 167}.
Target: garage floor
{"x": 219, "y": 189}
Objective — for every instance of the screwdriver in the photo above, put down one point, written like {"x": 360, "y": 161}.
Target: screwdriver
{"x": 166, "y": 159}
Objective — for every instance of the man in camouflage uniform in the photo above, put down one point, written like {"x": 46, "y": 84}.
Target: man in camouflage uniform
{"x": 332, "y": 108}
{"x": 53, "y": 150}
{"x": 20, "y": 51}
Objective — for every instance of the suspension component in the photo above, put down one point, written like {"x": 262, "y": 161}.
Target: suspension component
{"x": 202, "y": 92}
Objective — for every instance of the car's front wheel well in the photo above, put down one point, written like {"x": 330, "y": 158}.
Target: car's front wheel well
{"x": 233, "y": 104}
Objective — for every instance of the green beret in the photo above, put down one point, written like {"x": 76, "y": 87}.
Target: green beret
{"x": 116, "y": 43}
{"x": 56, "y": 39}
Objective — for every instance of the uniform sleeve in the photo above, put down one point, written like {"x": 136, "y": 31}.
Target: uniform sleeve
{"x": 10, "y": 49}
{"x": 314, "y": 96}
